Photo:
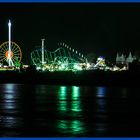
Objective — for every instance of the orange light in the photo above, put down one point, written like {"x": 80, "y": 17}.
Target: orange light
{"x": 11, "y": 54}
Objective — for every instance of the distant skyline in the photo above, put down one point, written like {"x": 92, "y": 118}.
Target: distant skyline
{"x": 101, "y": 28}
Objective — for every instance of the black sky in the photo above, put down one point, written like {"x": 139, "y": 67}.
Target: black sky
{"x": 101, "y": 28}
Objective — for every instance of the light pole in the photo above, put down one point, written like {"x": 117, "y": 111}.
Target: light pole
{"x": 10, "y": 63}
{"x": 42, "y": 51}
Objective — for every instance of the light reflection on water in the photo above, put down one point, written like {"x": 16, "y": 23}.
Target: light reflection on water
{"x": 101, "y": 92}
{"x": 70, "y": 105}
{"x": 9, "y": 88}
{"x": 62, "y": 98}
{"x": 70, "y": 111}
{"x": 9, "y": 107}
{"x": 101, "y": 125}
{"x": 11, "y": 122}
{"x": 71, "y": 127}
{"x": 76, "y": 100}
{"x": 101, "y": 101}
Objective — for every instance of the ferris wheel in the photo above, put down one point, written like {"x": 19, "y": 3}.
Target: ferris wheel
{"x": 14, "y": 54}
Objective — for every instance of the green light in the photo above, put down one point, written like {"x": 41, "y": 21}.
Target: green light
{"x": 62, "y": 93}
{"x": 76, "y": 103}
{"x": 72, "y": 127}
{"x": 76, "y": 106}
{"x": 63, "y": 66}
{"x": 77, "y": 126}
{"x": 62, "y": 106}
{"x": 62, "y": 98}
{"x": 75, "y": 92}
{"x": 70, "y": 105}
{"x": 76, "y": 67}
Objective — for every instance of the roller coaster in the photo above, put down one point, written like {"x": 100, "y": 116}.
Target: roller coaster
{"x": 63, "y": 58}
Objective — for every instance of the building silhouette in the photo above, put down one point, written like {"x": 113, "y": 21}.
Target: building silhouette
{"x": 123, "y": 59}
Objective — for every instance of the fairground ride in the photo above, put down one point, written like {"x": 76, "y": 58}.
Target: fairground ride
{"x": 63, "y": 58}
{"x": 10, "y": 52}
{"x": 14, "y": 56}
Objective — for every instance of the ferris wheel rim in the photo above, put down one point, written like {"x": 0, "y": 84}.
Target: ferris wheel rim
{"x": 15, "y": 49}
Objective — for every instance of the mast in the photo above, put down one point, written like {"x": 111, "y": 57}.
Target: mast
{"x": 9, "y": 45}
{"x": 42, "y": 51}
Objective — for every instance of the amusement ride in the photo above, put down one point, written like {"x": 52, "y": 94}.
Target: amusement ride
{"x": 10, "y": 52}
{"x": 64, "y": 58}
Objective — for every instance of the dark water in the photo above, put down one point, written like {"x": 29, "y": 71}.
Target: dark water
{"x": 68, "y": 111}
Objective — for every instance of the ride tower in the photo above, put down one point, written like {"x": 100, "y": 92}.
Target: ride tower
{"x": 43, "y": 51}
{"x": 9, "y": 53}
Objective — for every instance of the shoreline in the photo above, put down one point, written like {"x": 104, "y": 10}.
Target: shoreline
{"x": 91, "y": 78}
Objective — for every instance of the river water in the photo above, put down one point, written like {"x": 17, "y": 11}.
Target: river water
{"x": 68, "y": 111}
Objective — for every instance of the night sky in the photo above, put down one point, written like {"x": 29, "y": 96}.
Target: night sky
{"x": 100, "y": 28}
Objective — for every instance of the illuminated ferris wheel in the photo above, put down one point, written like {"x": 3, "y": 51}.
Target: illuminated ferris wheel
{"x": 14, "y": 54}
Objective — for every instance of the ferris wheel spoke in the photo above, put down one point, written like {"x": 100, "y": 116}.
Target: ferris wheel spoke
{"x": 5, "y": 46}
{"x": 2, "y": 52}
{"x": 3, "y": 59}
{"x": 2, "y": 55}
{"x": 14, "y": 49}
{"x": 3, "y": 49}
{"x": 17, "y": 54}
{"x": 14, "y": 59}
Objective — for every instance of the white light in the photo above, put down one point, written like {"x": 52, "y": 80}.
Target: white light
{"x": 100, "y": 58}
{"x": 43, "y": 69}
{"x": 9, "y": 23}
{"x": 9, "y": 88}
{"x": 88, "y": 65}
{"x": 38, "y": 68}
